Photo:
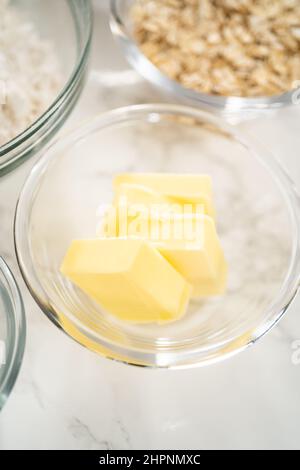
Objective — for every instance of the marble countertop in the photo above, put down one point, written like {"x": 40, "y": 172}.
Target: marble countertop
{"x": 66, "y": 397}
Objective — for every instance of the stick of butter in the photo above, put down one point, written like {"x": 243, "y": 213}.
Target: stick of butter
{"x": 201, "y": 260}
{"x": 173, "y": 188}
{"x": 135, "y": 200}
{"x": 190, "y": 244}
{"x": 129, "y": 278}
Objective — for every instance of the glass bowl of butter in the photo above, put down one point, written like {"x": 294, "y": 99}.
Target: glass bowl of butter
{"x": 159, "y": 300}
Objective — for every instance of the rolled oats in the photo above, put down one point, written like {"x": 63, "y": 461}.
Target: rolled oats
{"x": 222, "y": 47}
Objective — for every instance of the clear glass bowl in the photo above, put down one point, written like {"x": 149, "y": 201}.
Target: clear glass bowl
{"x": 231, "y": 106}
{"x": 68, "y": 24}
{"x": 12, "y": 331}
{"x": 258, "y": 216}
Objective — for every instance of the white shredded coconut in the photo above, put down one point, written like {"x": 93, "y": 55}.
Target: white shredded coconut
{"x": 29, "y": 73}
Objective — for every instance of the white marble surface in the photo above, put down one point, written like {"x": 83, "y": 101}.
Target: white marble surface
{"x": 68, "y": 398}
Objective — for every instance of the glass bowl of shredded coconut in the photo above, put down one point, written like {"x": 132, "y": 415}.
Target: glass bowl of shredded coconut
{"x": 44, "y": 49}
{"x": 225, "y": 55}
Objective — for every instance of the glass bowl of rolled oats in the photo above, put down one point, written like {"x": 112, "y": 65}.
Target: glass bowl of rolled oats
{"x": 44, "y": 50}
{"x": 225, "y": 55}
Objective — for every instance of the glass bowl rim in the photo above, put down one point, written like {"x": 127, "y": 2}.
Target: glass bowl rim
{"x": 61, "y": 98}
{"x": 275, "y": 309}
{"x": 16, "y": 343}
{"x": 152, "y": 74}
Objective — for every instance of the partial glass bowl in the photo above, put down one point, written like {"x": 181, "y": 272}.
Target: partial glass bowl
{"x": 68, "y": 24}
{"x": 12, "y": 331}
{"x": 229, "y": 106}
{"x": 258, "y": 218}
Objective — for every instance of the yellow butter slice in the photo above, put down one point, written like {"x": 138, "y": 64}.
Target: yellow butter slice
{"x": 176, "y": 188}
{"x": 129, "y": 278}
{"x": 189, "y": 243}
